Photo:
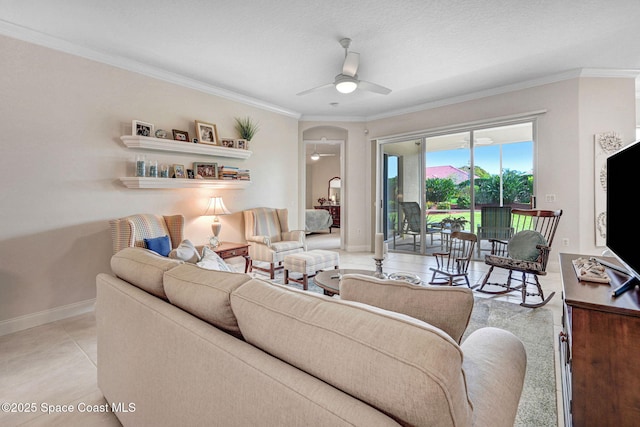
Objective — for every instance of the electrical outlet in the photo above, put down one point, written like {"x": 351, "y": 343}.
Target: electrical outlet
{"x": 550, "y": 198}
{"x": 565, "y": 242}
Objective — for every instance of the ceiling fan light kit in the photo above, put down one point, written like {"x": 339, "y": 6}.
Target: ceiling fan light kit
{"x": 345, "y": 84}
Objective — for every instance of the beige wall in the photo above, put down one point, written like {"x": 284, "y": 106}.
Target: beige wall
{"x": 61, "y": 156}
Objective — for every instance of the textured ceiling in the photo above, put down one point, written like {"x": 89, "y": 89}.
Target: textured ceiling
{"x": 268, "y": 51}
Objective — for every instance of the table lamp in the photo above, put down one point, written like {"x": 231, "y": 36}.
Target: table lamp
{"x": 216, "y": 207}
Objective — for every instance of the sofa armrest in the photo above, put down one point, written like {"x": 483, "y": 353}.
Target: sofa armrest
{"x": 495, "y": 363}
{"x": 447, "y": 308}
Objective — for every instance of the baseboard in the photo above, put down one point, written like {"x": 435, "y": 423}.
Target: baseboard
{"x": 40, "y": 318}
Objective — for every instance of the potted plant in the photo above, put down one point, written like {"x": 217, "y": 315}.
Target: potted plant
{"x": 455, "y": 224}
{"x": 246, "y": 127}
{"x": 322, "y": 201}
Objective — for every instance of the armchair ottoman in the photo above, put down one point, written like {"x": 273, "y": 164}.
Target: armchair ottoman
{"x": 308, "y": 264}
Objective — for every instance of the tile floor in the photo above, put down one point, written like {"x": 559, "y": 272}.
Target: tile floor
{"x": 55, "y": 364}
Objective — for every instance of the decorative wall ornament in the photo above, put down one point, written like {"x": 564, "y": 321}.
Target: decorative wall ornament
{"x": 606, "y": 144}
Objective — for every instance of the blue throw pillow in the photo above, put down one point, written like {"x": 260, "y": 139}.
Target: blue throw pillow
{"x": 159, "y": 245}
{"x": 523, "y": 244}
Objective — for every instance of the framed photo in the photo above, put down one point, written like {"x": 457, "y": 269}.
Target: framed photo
{"x": 206, "y": 133}
{"x": 206, "y": 170}
{"x": 228, "y": 142}
{"x": 141, "y": 128}
{"x": 178, "y": 171}
{"x": 241, "y": 144}
{"x": 180, "y": 135}
{"x": 190, "y": 174}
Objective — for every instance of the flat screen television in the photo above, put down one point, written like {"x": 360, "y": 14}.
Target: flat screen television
{"x": 623, "y": 219}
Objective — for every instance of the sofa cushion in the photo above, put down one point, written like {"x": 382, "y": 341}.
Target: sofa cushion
{"x": 212, "y": 261}
{"x": 446, "y": 307}
{"x": 143, "y": 268}
{"x": 186, "y": 251}
{"x": 404, "y": 367}
{"x": 160, "y": 245}
{"x": 204, "y": 293}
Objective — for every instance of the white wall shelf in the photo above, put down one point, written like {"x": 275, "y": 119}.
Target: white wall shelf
{"x": 157, "y": 144}
{"x": 146, "y": 182}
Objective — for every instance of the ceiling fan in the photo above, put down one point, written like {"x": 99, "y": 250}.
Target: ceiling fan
{"x": 316, "y": 156}
{"x": 347, "y": 81}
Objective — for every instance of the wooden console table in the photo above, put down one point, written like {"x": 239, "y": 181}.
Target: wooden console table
{"x": 599, "y": 351}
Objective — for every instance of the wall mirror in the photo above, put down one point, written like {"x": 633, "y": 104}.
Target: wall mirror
{"x": 334, "y": 190}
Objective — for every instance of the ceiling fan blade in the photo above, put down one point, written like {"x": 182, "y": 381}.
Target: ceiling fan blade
{"x": 315, "y": 89}
{"x": 351, "y": 63}
{"x": 372, "y": 87}
{"x": 326, "y": 155}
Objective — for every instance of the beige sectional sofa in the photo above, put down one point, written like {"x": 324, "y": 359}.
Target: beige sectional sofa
{"x": 181, "y": 345}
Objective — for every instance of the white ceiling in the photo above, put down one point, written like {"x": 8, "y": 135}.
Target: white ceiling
{"x": 267, "y": 51}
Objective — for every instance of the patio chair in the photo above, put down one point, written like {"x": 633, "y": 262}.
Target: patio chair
{"x": 527, "y": 253}
{"x": 453, "y": 265}
{"x": 495, "y": 223}
{"x": 410, "y": 223}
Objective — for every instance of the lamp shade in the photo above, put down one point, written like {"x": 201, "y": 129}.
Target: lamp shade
{"x": 216, "y": 207}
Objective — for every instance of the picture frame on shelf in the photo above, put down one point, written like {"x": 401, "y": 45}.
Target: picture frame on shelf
{"x": 178, "y": 171}
{"x": 190, "y": 174}
{"x": 206, "y": 133}
{"x": 140, "y": 128}
{"x": 180, "y": 135}
{"x": 241, "y": 144}
{"x": 228, "y": 142}
{"x": 205, "y": 170}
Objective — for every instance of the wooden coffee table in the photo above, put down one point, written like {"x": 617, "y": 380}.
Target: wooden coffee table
{"x": 329, "y": 280}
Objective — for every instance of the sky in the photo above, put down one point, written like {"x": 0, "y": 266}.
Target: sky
{"x": 518, "y": 157}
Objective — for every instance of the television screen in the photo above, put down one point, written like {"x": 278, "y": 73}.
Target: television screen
{"x": 623, "y": 178}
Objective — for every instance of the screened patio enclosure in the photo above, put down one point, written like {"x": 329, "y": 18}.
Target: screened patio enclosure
{"x": 432, "y": 183}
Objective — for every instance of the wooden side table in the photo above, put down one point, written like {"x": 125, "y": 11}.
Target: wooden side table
{"x": 226, "y": 250}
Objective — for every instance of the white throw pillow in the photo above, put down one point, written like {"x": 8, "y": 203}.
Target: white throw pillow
{"x": 186, "y": 252}
{"x": 212, "y": 261}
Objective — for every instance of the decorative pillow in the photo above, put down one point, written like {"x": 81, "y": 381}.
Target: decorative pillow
{"x": 159, "y": 245}
{"x": 186, "y": 252}
{"x": 522, "y": 245}
{"x": 212, "y": 261}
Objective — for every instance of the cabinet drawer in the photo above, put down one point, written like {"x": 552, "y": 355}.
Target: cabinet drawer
{"x": 230, "y": 253}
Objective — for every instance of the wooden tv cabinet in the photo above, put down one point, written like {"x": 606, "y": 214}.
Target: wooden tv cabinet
{"x": 599, "y": 351}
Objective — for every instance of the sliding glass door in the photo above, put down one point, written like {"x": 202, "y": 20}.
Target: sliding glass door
{"x": 433, "y": 183}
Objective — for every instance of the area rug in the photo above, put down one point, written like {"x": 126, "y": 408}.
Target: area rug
{"x": 535, "y": 328}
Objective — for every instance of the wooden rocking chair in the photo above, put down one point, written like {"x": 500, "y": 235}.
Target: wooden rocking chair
{"x": 453, "y": 264}
{"x": 527, "y": 252}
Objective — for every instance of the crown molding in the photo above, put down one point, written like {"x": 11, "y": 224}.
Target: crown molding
{"x": 35, "y": 37}
{"x": 553, "y": 78}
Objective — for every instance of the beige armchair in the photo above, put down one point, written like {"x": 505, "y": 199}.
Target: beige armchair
{"x": 269, "y": 238}
{"x": 131, "y": 231}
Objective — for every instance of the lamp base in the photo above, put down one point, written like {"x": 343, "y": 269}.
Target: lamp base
{"x": 214, "y": 241}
